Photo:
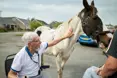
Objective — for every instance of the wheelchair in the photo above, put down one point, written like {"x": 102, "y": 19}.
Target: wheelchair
{"x": 9, "y": 60}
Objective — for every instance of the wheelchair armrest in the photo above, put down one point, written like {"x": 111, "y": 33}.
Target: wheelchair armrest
{"x": 45, "y": 66}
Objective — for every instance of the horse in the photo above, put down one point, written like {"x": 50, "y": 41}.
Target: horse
{"x": 86, "y": 21}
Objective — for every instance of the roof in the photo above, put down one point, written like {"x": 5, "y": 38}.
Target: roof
{"x": 7, "y": 20}
{"x": 26, "y": 22}
{"x": 14, "y": 21}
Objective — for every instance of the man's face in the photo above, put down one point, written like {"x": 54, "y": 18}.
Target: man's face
{"x": 35, "y": 43}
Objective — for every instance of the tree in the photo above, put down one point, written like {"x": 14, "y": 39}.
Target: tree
{"x": 55, "y": 24}
{"x": 34, "y": 24}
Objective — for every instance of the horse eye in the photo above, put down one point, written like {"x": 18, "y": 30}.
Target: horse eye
{"x": 84, "y": 23}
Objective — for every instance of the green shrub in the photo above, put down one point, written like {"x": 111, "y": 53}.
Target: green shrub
{"x": 56, "y": 24}
{"x": 18, "y": 34}
{"x": 3, "y": 30}
{"x": 34, "y": 24}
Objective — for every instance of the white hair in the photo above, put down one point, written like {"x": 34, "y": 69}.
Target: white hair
{"x": 28, "y": 36}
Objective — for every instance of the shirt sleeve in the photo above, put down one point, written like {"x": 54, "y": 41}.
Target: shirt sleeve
{"x": 17, "y": 63}
{"x": 43, "y": 47}
{"x": 112, "y": 51}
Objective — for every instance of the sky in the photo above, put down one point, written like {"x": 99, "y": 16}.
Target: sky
{"x": 56, "y": 10}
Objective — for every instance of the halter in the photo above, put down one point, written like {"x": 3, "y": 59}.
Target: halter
{"x": 88, "y": 29}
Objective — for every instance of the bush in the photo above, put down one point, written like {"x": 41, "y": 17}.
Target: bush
{"x": 18, "y": 34}
{"x": 3, "y": 30}
{"x": 56, "y": 24}
{"x": 34, "y": 24}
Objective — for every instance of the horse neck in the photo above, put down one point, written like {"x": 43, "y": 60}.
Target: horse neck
{"x": 75, "y": 24}
{"x": 77, "y": 28}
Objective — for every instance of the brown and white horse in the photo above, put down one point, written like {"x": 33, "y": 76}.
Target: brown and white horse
{"x": 87, "y": 21}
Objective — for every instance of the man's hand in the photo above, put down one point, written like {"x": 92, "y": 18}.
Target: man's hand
{"x": 98, "y": 70}
{"x": 69, "y": 33}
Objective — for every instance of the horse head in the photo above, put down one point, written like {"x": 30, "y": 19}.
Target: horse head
{"x": 91, "y": 22}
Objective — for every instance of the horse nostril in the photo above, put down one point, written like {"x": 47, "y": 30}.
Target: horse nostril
{"x": 84, "y": 23}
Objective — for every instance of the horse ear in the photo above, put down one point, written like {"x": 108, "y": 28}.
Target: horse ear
{"x": 86, "y": 5}
{"x": 92, "y": 3}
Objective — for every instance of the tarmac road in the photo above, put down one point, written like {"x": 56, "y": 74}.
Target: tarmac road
{"x": 81, "y": 58}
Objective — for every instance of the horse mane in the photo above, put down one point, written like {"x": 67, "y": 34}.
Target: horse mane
{"x": 73, "y": 22}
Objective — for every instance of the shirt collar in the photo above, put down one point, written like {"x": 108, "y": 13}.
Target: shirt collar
{"x": 27, "y": 50}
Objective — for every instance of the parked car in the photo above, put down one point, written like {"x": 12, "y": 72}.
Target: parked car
{"x": 85, "y": 40}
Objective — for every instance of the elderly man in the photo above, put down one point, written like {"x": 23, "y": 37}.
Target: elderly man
{"x": 27, "y": 60}
{"x": 109, "y": 67}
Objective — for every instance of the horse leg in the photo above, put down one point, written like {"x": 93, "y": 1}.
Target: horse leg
{"x": 64, "y": 60}
{"x": 66, "y": 57}
{"x": 59, "y": 69}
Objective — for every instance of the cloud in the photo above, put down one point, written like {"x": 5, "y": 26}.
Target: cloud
{"x": 54, "y": 12}
{"x": 59, "y": 10}
{"x": 41, "y": 11}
